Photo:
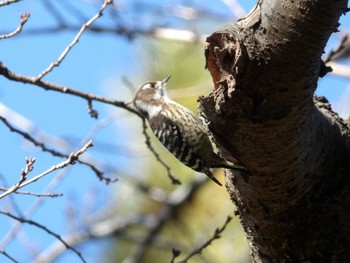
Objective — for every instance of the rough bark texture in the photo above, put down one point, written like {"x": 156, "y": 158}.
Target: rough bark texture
{"x": 294, "y": 202}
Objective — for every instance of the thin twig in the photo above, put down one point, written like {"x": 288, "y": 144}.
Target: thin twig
{"x": 7, "y": 2}
{"x": 174, "y": 200}
{"x": 31, "y": 222}
{"x": 73, "y": 157}
{"x": 33, "y": 194}
{"x": 24, "y": 18}
{"x": 23, "y": 177}
{"x": 110, "y": 227}
{"x": 118, "y": 225}
{"x": 341, "y": 51}
{"x": 217, "y": 235}
{"x": 75, "y": 41}
{"x": 62, "y": 89}
{"x": 28, "y": 137}
{"x": 93, "y": 113}
{"x": 8, "y": 256}
{"x": 176, "y": 253}
{"x": 29, "y": 167}
{"x": 44, "y": 148}
{"x": 13, "y": 232}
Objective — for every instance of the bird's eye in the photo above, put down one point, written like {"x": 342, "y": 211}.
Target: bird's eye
{"x": 149, "y": 86}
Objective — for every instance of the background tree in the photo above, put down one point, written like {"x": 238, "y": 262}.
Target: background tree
{"x": 264, "y": 75}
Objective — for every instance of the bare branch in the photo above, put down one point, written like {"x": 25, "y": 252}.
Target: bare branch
{"x": 62, "y": 89}
{"x": 8, "y": 256}
{"x": 18, "y": 120}
{"x": 130, "y": 33}
{"x": 28, "y": 137}
{"x": 176, "y": 253}
{"x": 23, "y": 177}
{"x": 341, "y": 51}
{"x": 71, "y": 160}
{"x": 24, "y": 18}
{"x": 217, "y": 235}
{"x": 75, "y": 41}
{"x": 109, "y": 227}
{"x": 44, "y": 148}
{"x": 174, "y": 200}
{"x": 7, "y": 2}
{"x": 29, "y": 166}
{"x": 118, "y": 225}
{"x": 33, "y": 194}
{"x": 31, "y": 222}
{"x": 13, "y": 232}
{"x": 93, "y": 113}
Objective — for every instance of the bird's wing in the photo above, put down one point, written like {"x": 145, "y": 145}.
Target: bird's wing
{"x": 173, "y": 137}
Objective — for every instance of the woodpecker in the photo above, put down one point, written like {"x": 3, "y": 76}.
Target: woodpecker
{"x": 178, "y": 129}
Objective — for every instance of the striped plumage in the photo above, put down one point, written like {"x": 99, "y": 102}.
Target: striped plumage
{"x": 178, "y": 129}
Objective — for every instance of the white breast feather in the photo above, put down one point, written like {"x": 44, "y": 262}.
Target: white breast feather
{"x": 152, "y": 110}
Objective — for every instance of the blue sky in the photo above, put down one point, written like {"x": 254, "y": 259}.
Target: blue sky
{"x": 94, "y": 60}
{"x": 96, "y": 64}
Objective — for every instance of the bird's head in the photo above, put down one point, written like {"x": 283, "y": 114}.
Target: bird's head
{"x": 150, "y": 97}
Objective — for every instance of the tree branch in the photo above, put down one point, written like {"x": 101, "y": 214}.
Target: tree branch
{"x": 217, "y": 235}
{"x": 117, "y": 225}
{"x": 75, "y": 41}
{"x": 8, "y": 256}
{"x": 7, "y": 2}
{"x": 24, "y": 18}
{"x": 73, "y": 157}
{"x": 33, "y": 194}
{"x": 62, "y": 89}
{"x": 31, "y": 222}
{"x": 44, "y": 148}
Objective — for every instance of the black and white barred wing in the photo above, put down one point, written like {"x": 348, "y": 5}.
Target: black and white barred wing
{"x": 174, "y": 138}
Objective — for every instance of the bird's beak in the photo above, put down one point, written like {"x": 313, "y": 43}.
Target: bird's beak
{"x": 166, "y": 80}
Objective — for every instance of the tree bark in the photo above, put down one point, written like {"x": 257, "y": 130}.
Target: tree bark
{"x": 294, "y": 203}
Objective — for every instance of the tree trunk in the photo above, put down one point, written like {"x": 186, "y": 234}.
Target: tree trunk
{"x": 294, "y": 202}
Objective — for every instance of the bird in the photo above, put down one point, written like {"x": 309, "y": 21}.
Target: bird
{"x": 178, "y": 129}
